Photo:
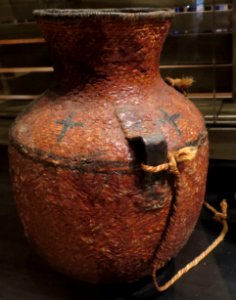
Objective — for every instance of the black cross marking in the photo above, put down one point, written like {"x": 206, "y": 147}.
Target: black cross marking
{"x": 66, "y": 124}
{"x": 171, "y": 119}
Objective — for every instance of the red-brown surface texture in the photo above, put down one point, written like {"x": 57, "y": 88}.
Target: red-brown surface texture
{"x": 79, "y": 192}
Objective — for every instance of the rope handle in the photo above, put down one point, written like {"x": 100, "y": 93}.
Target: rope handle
{"x": 187, "y": 154}
{"x": 218, "y": 216}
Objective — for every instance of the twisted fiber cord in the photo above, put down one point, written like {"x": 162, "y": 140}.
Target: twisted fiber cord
{"x": 184, "y": 154}
{"x": 187, "y": 154}
{"x": 219, "y": 216}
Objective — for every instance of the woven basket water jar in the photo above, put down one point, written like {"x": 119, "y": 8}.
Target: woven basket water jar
{"x": 76, "y": 153}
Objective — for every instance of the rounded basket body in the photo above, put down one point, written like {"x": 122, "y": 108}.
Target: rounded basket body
{"x": 85, "y": 204}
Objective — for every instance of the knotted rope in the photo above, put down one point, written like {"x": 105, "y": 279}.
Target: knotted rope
{"x": 182, "y": 155}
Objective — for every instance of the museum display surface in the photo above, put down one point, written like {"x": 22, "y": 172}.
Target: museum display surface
{"x": 109, "y": 165}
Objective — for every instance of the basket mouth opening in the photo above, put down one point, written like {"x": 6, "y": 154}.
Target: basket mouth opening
{"x": 126, "y": 12}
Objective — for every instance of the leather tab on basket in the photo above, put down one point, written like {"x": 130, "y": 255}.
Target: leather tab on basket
{"x": 150, "y": 147}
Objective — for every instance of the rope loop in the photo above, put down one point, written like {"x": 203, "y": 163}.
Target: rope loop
{"x": 173, "y": 159}
{"x": 218, "y": 216}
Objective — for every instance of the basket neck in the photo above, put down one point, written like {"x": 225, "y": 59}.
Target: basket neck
{"x": 91, "y": 49}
